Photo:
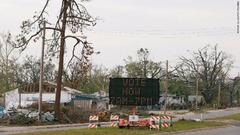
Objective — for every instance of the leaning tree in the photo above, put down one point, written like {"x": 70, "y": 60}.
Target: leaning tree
{"x": 66, "y": 29}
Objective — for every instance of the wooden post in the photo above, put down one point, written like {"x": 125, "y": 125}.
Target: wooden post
{"x": 41, "y": 76}
{"x": 134, "y": 109}
{"x": 20, "y": 98}
{"x": 197, "y": 90}
{"x": 61, "y": 60}
{"x": 219, "y": 85}
{"x": 166, "y": 89}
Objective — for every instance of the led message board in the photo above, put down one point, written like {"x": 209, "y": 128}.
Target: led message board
{"x": 134, "y": 91}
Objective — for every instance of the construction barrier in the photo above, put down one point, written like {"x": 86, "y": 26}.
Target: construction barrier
{"x": 114, "y": 120}
{"x": 165, "y": 121}
{"x": 93, "y": 121}
{"x": 154, "y": 122}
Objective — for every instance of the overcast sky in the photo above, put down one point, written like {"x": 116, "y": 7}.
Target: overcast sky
{"x": 168, "y": 28}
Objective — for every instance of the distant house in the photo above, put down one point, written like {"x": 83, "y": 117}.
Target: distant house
{"x": 192, "y": 98}
{"x": 172, "y": 99}
{"x": 29, "y": 94}
{"x": 101, "y": 94}
{"x": 83, "y": 101}
{"x": 96, "y": 101}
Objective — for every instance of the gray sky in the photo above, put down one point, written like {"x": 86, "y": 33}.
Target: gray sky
{"x": 168, "y": 28}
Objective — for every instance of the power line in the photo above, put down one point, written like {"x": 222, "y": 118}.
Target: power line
{"x": 200, "y": 32}
{"x": 236, "y": 67}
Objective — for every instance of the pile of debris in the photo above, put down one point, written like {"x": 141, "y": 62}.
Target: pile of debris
{"x": 7, "y": 115}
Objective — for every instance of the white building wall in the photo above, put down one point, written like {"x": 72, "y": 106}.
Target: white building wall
{"x": 12, "y": 98}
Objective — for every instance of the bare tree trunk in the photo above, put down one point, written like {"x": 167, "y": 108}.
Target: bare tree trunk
{"x": 60, "y": 65}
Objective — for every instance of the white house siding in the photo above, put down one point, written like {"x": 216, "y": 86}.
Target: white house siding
{"x": 12, "y": 98}
{"x": 83, "y": 104}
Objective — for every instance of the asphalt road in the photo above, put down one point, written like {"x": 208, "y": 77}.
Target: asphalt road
{"x": 213, "y": 113}
{"x": 180, "y": 114}
{"x": 234, "y": 128}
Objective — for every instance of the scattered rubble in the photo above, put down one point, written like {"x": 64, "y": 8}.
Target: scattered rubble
{"x": 9, "y": 114}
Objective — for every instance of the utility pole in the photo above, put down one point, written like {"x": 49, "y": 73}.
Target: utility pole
{"x": 61, "y": 60}
{"x": 219, "y": 85}
{"x": 197, "y": 79}
{"x": 166, "y": 89}
{"x": 41, "y": 75}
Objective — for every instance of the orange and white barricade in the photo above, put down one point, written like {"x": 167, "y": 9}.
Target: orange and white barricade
{"x": 155, "y": 118}
{"x": 154, "y": 126}
{"x": 154, "y": 122}
{"x": 114, "y": 120}
{"x": 164, "y": 123}
{"x": 92, "y": 125}
{"x": 93, "y": 121}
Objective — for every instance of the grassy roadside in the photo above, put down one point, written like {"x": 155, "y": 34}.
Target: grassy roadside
{"x": 177, "y": 126}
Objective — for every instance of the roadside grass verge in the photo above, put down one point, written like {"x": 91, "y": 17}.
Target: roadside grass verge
{"x": 177, "y": 126}
{"x": 229, "y": 117}
{"x": 189, "y": 125}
